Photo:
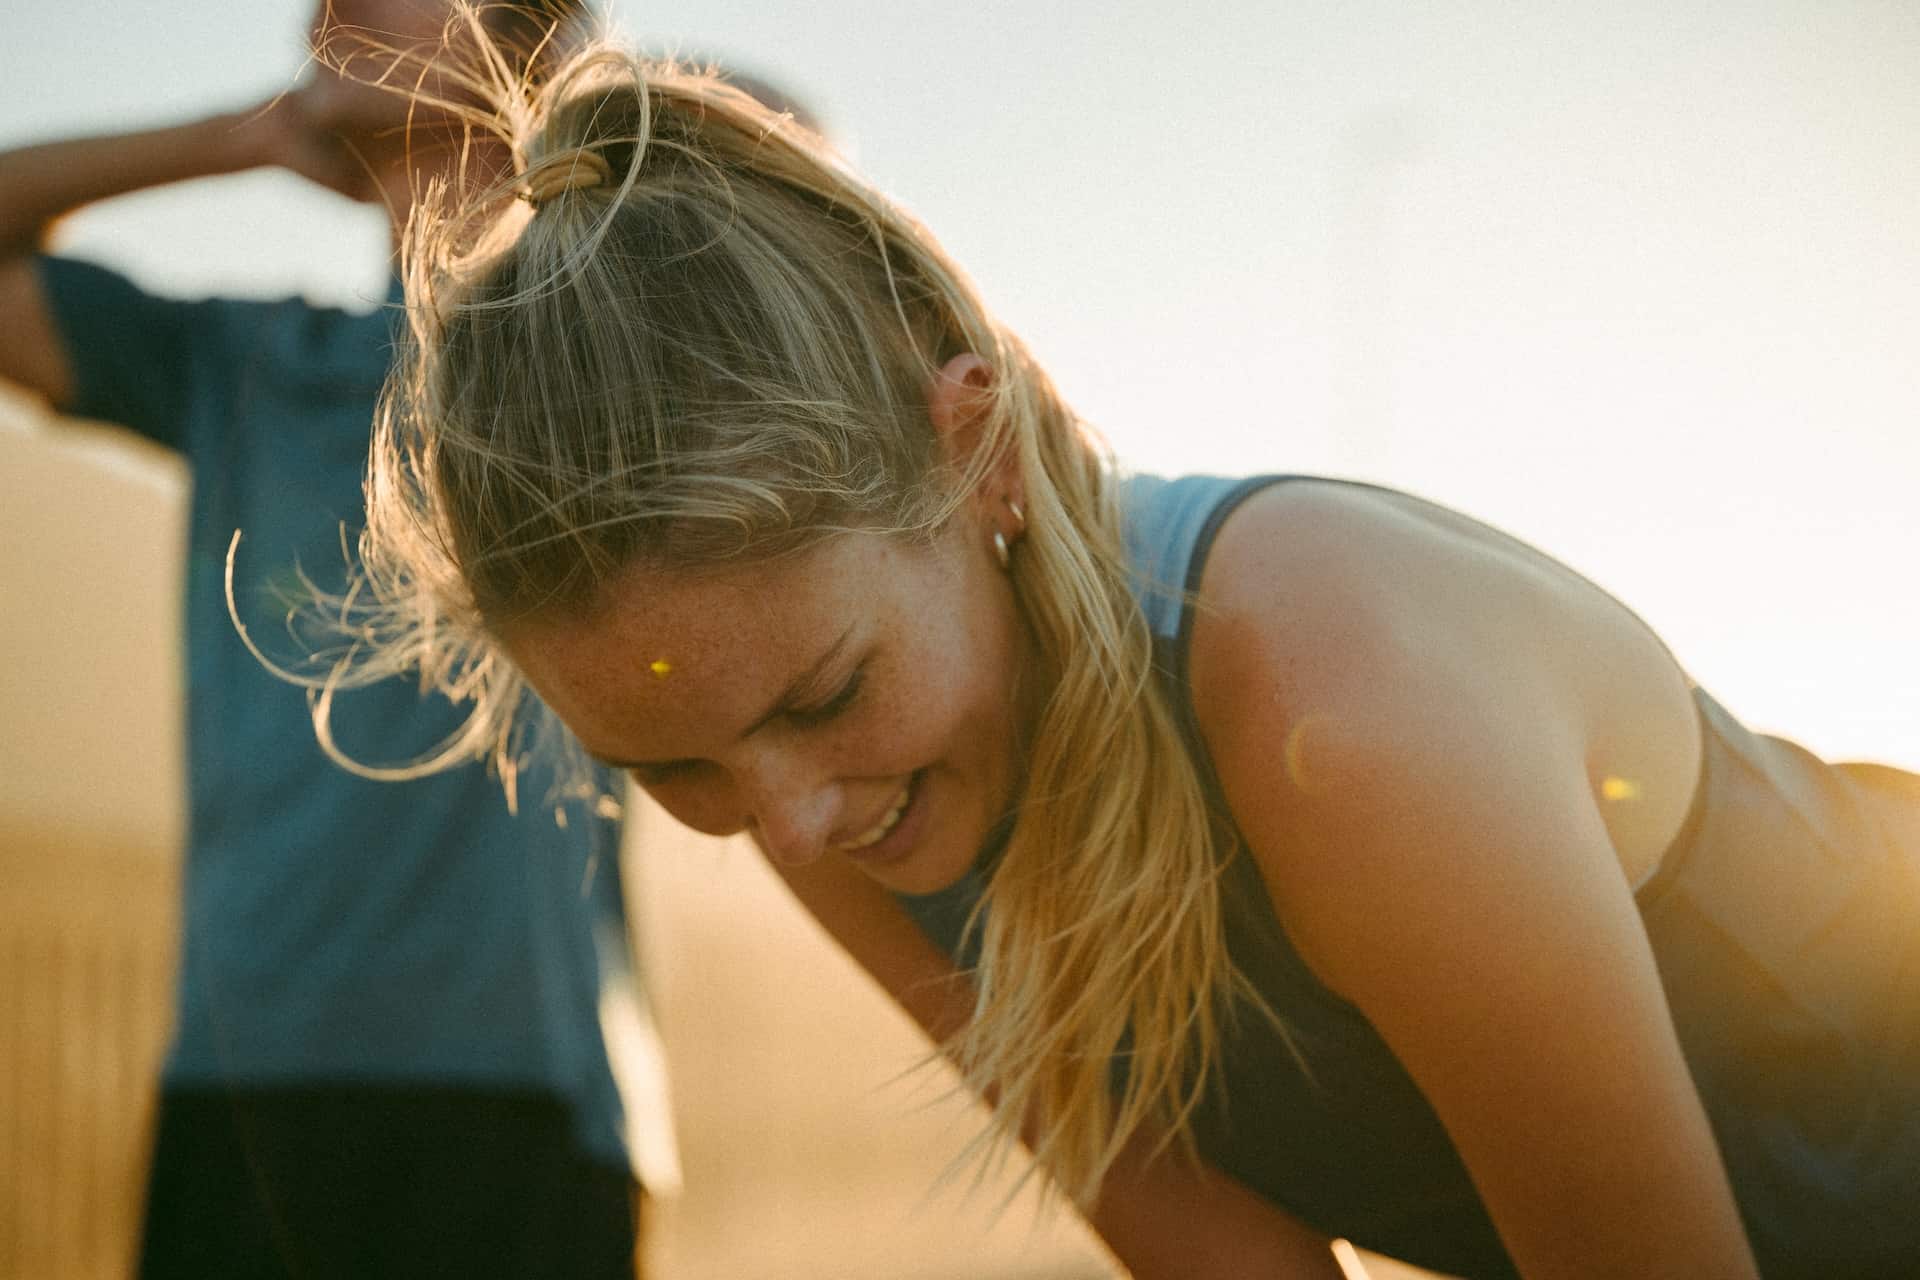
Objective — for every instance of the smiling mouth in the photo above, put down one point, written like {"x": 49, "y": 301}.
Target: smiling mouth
{"x": 888, "y": 820}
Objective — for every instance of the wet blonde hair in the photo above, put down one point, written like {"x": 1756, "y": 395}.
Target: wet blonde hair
{"x": 709, "y": 340}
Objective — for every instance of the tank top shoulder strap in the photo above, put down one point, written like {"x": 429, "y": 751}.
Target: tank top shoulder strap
{"x": 1170, "y": 525}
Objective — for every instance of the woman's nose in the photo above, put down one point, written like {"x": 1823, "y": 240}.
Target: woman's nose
{"x": 793, "y": 820}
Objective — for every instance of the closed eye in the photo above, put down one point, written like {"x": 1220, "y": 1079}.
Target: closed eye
{"x": 661, "y": 773}
{"x": 834, "y": 706}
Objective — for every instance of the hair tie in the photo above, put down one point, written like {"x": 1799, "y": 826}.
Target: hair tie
{"x": 574, "y": 170}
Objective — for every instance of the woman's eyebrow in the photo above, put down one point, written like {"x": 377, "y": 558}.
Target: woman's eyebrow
{"x": 796, "y": 687}
{"x": 801, "y": 683}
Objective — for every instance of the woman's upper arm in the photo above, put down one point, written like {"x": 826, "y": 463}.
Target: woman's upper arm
{"x": 1163, "y": 1217}
{"x": 32, "y": 354}
{"x": 1417, "y": 800}
{"x": 877, "y": 932}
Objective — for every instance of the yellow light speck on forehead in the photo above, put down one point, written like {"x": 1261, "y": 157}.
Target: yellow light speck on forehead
{"x": 1617, "y": 788}
{"x": 661, "y": 668}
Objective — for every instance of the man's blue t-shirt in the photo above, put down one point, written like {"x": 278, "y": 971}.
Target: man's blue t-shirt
{"x": 336, "y": 930}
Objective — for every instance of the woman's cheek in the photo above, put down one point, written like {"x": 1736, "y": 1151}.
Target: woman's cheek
{"x": 891, "y": 740}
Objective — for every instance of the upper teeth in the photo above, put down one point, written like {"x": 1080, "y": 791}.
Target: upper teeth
{"x": 878, "y": 831}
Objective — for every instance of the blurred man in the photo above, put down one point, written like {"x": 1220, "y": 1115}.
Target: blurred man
{"x": 387, "y": 1058}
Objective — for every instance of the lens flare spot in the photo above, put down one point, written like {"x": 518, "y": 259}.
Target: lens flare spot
{"x": 1616, "y": 788}
{"x": 661, "y": 668}
{"x": 1305, "y": 751}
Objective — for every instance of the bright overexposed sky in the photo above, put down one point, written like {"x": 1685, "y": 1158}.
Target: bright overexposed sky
{"x": 1638, "y": 281}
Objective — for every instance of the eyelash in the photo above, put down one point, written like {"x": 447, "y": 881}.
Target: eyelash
{"x": 660, "y": 774}
{"x": 833, "y": 706}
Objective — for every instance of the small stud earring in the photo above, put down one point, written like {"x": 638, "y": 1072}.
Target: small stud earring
{"x": 1000, "y": 549}
{"x": 1019, "y": 516}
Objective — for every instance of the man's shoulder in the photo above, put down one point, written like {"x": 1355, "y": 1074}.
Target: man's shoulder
{"x": 302, "y": 326}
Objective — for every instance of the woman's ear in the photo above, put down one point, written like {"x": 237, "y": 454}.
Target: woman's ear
{"x": 958, "y": 403}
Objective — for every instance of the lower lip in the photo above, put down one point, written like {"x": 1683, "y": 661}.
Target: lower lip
{"x": 897, "y": 843}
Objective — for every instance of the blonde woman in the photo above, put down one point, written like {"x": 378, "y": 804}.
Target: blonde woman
{"x": 1286, "y": 860}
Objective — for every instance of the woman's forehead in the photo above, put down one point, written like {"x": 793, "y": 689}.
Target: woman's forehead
{"x": 739, "y": 621}
{"x": 670, "y": 658}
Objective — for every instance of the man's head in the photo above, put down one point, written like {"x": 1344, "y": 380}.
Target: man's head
{"x": 374, "y": 60}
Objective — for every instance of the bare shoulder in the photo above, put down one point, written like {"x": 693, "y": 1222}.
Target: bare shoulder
{"x": 1370, "y": 671}
{"x": 1408, "y": 713}
{"x": 1314, "y": 558}
{"x": 1325, "y": 600}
